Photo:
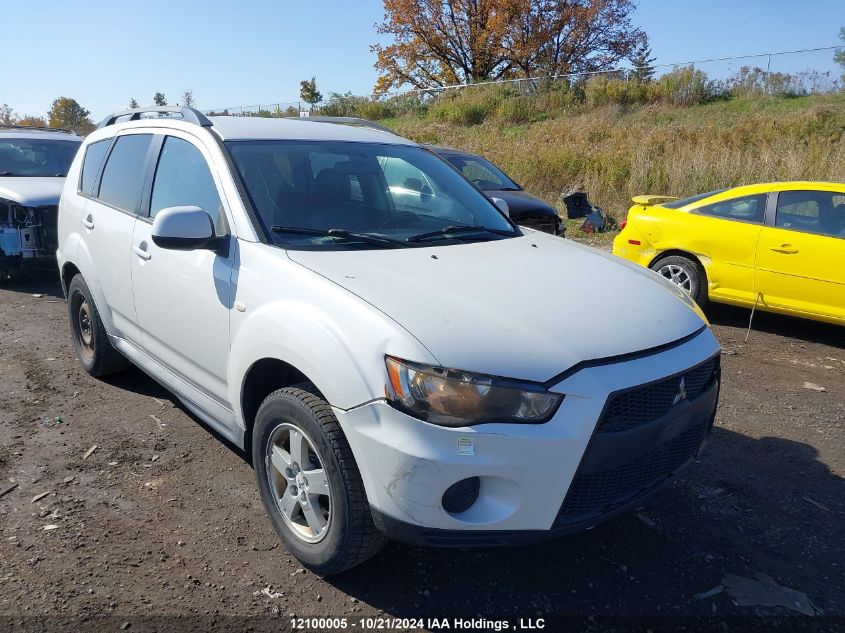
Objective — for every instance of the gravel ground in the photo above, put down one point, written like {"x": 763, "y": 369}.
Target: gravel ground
{"x": 160, "y": 527}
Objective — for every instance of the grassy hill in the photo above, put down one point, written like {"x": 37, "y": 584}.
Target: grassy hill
{"x": 616, "y": 151}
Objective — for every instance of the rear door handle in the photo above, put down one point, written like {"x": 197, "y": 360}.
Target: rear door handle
{"x": 88, "y": 222}
{"x": 786, "y": 249}
{"x": 141, "y": 251}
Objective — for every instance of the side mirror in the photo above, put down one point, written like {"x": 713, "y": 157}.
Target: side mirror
{"x": 503, "y": 206}
{"x": 184, "y": 229}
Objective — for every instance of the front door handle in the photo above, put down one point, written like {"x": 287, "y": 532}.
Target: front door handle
{"x": 88, "y": 222}
{"x": 141, "y": 251}
{"x": 786, "y": 249}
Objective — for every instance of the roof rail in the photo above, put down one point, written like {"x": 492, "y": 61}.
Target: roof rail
{"x": 191, "y": 115}
{"x": 41, "y": 128}
{"x": 350, "y": 120}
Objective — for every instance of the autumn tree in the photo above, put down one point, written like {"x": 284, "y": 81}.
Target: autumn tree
{"x": 7, "y": 114}
{"x": 67, "y": 113}
{"x": 839, "y": 55}
{"x": 159, "y": 100}
{"x": 308, "y": 91}
{"x": 642, "y": 60}
{"x": 442, "y": 42}
{"x": 133, "y": 104}
{"x": 32, "y": 121}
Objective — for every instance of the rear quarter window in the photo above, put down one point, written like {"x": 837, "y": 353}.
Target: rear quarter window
{"x": 745, "y": 209}
{"x": 94, "y": 155}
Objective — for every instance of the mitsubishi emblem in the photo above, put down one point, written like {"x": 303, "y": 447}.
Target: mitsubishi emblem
{"x": 682, "y": 392}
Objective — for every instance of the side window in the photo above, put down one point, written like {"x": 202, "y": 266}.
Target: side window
{"x": 820, "y": 212}
{"x": 123, "y": 175}
{"x": 745, "y": 209}
{"x": 480, "y": 175}
{"x": 94, "y": 155}
{"x": 184, "y": 179}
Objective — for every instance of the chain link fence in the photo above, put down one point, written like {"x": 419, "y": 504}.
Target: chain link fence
{"x": 784, "y": 73}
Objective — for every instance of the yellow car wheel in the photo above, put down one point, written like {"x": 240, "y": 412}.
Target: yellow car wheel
{"x": 684, "y": 273}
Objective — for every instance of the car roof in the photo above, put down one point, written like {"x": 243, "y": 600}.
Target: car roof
{"x": 440, "y": 149}
{"x": 36, "y": 133}
{"x": 760, "y": 188}
{"x": 230, "y": 128}
{"x": 241, "y": 128}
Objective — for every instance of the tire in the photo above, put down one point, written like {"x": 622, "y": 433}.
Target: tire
{"x": 90, "y": 340}
{"x": 685, "y": 273}
{"x": 318, "y": 508}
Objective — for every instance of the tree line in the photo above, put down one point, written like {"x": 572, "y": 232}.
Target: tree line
{"x": 67, "y": 113}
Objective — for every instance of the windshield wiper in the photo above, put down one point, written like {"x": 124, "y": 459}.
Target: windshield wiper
{"x": 505, "y": 189}
{"x": 461, "y": 228}
{"x": 6, "y": 173}
{"x": 385, "y": 242}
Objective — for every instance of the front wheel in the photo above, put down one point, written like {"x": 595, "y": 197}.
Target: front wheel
{"x": 688, "y": 275}
{"x": 310, "y": 484}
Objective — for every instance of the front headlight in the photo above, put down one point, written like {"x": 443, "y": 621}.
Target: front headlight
{"x": 449, "y": 397}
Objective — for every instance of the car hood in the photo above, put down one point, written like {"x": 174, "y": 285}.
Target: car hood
{"x": 32, "y": 192}
{"x": 523, "y": 203}
{"x": 528, "y": 307}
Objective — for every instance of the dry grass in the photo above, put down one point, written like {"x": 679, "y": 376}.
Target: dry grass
{"x": 615, "y": 153}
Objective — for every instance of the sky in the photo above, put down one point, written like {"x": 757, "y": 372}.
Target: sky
{"x": 245, "y": 52}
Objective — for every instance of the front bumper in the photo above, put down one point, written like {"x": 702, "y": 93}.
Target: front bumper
{"x": 537, "y": 481}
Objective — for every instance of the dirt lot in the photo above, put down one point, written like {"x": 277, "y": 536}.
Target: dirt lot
{"x": 161, "y": 525}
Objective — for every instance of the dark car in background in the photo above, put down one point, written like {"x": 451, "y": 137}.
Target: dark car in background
{"x": 525, "y": 209}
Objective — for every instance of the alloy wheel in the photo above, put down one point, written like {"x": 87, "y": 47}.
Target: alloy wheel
{"x": 678, "y": 276}
{"x": 299, "y": 483}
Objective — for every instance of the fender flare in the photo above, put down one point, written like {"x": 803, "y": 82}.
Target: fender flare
{"x": 322, "y": 348}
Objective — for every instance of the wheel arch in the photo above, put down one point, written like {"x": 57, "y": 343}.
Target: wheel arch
{"x": 678, "y": 253}
{"x": 263, "y": 377}
{"x": 68, "y": 272}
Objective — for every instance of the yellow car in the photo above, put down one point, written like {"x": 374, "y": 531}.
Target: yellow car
{"x": 779, "y": 245}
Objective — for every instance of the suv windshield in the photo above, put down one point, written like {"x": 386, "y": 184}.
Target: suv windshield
{"x": 484, "y": 174}
{"x": 361, "y": 195}
{"x": 36, "y": 157}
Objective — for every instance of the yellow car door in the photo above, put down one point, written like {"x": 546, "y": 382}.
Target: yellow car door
{"x": 801, "y": 255}
{"x": 726, "y": 233}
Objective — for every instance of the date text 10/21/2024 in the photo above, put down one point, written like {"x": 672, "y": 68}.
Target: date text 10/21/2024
{"x": 365, "y": 623}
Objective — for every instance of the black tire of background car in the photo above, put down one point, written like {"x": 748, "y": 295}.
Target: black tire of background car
{"x": 693, "y": 270}
{"x": 352, "y": 537}
{"x": 106, "y": 359}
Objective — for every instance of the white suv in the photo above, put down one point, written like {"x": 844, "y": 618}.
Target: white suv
{"x": 392, "y": 372}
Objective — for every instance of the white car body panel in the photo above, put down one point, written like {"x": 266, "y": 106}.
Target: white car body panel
{"x": 108, "y": 235}
{"x": 476, "y": 304}
{"x": 410, "y": 462}
{"x": 198, "y": 322}
{"x": 328, "y": 333}
{"x": 31, "y": 192}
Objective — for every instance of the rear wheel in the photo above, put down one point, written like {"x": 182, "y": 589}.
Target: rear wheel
{"x": 90, "y": 340}
{"x": 684, "y": 273}
{"x": 309, "y": 482}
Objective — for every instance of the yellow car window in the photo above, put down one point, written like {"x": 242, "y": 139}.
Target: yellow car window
{"x": 745, "y": 209}
{"x": 821, "y": 212}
